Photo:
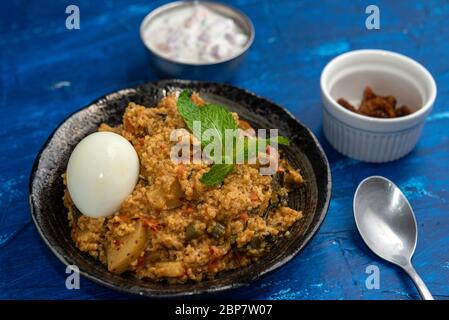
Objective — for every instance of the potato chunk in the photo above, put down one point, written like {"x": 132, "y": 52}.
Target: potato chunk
{"x": 166, "y": 194}
{"x": 294, "y": 177}
{"x": 122, "y": 251}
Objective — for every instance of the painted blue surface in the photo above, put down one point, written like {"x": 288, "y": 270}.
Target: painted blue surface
{"x": 47, "y": 72}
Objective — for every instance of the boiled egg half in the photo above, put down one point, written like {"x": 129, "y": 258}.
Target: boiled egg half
{"x": 102, "y": 171}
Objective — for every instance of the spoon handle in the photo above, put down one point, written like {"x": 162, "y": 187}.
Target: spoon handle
{"x": 422, "y": 288}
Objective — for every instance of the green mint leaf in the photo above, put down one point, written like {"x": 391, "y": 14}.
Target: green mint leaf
{"x": 216, "y": 174}
{"x": 211, "y": 116}
{"x": 217, "y": 119}
{"x": 252, "y": 152}
{"x": 281, "y": 140}
{"x": 187, "y": 109}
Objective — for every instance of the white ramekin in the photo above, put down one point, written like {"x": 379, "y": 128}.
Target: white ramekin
{"x": 388, "y": 73}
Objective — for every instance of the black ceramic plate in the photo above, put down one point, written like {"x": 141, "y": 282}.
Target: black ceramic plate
{"x": 305, "y": 153}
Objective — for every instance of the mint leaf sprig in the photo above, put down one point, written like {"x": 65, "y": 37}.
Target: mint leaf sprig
{"x": 218, "y": 118}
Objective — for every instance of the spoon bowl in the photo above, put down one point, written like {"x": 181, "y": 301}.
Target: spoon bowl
{"x": 387, "y": 224}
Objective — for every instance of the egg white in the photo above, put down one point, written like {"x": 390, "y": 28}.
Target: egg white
{"x": 102, "y": 171}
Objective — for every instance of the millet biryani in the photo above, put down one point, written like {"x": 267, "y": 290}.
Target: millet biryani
{"x": 173, "y": 226}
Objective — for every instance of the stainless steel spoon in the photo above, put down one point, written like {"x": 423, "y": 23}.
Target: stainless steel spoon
{"x": 387, "y": 224}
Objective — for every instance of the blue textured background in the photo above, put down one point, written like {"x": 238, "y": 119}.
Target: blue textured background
{"x": 47, "y": 72}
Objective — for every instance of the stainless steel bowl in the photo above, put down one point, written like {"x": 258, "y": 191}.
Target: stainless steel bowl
{"x": 215, "y": 71}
